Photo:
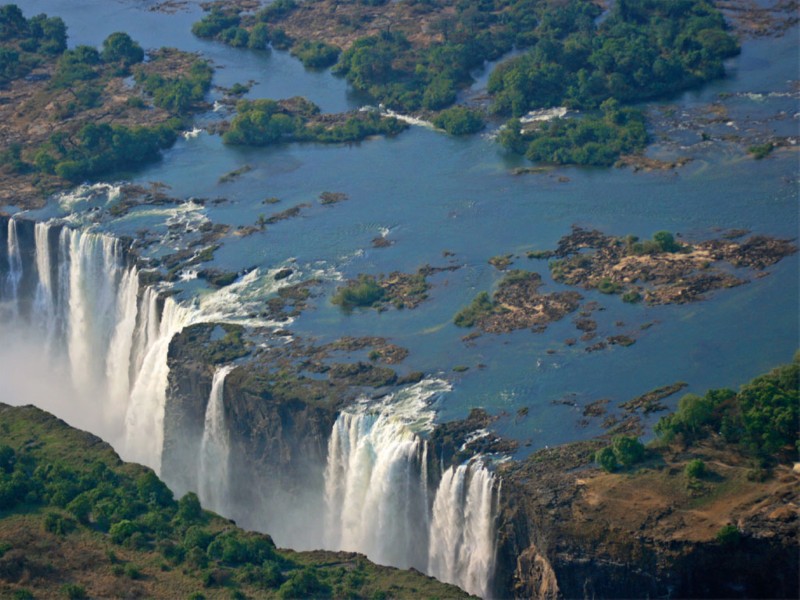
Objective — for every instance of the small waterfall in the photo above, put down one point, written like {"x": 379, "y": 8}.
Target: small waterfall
{"x": 45, "y": 302}
{"x": 212, "y": 473}
{"x": 14, "y": 275}
{"x": 462, "y": 535}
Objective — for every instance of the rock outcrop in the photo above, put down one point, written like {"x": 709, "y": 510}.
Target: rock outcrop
{"x": 568, "y": 530}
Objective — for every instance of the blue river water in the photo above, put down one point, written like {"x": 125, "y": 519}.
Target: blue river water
{"x": 431, "y": 194}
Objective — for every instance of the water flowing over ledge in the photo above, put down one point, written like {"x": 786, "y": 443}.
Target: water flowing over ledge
{"x": 212, "y": 469}
{"x": 382, "y": 500}
{"x": 77, "y": 295}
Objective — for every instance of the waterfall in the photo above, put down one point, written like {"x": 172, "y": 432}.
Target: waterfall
{"x": 377, "y": 494}
{"x": 374, "y": 491}
{"x": 212, "y": 473}
{"x": 96, "y": 268}
{"x": 462, "y": 535}
{"x": 14, "y": 275}
{"x": 90, "y": 314}
{"x": 144, "y": 418}
{"x": 44, "y": 303}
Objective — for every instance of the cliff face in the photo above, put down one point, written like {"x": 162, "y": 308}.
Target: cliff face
{"x": 278, "y": 453}
{"x": 188, "y": 391}
{"x": 571, "y": 531}
{"x": 278, "y": 424}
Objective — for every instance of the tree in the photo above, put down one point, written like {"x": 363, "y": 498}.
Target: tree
{"x": 459, "y": 120}
{"x": 627, "y": 450}
{"x": 605, "y": 457}
{"x": 120, "y": 48}
{"x": 694, "y": 412}
{"x": 666, "y": 241}
{"x": 189, "y": 509}
{"x": 770, "y": 407}
{"x": 12, "y": 22}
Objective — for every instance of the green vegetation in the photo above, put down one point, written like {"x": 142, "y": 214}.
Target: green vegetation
{"x": 90, "y": 519}
{"x": 97, "y": 149}
{"x": 760, "y": 151}
{"x": 120, "y": 48}
{"x": 227, "y": 348}
{"x": 315, "y": 55}
{"x": 607, "y": 286}
{"x": 695, "y": 469}
{"x": 480, "y": 307}
{"x": 643, "y": 49}
{"x": 27, "y": 43}
{"x": 663, "y": 241}
{"x": 592, "y": 140}
{"x": 265, "y": 122}
{"x": 459, "y": 120}
{"x": 179, "y": 94}
{"x": 624, "y": 452}
{"x": 729, "y": 535}
{"x": 82, "y": 148}
{"x": 363, "y": 292}
{"x": 762, "y": 418}
{"x": 403, "y": 76}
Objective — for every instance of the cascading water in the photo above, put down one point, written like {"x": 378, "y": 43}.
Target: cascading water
{"x": 377, "y": 502}
{"x": 78, "y": 295}
{"x": 374, "y": 492}
{"x": 212, "y": 472}
{"x": 462, "y": 535}
{"x": 14, "y": 266}
{"x": 83, "y": 302}
{"x": 144, "y": 419}
{"x": 91, "y": 315}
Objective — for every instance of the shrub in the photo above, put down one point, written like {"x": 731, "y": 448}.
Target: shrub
{"x": 121, "y": 531}
{"x": 132, "y": 571}
{"x": 120, "y": 48}
{"x": 481, "y": 306}
{"x": 363, "y": 292}
{"x": 760, "y": 151}
{"x": 695, "y": 469}
{"x": 459, "y": 120}
{"x": 189, "y": 509}
{"x": 627, "y": 450}
{"x": 631, "y": 296}
{"x": 58, "y": 524}
{"x": 728, "y": 535}
{"x": 607, "y": 286}
{"x": 666, "y": 241}
{"x": 315, "y": 54}
{"x": 304, "y": 584}
{"x": 605, "y": 457}
{"x": 73, "y": 591}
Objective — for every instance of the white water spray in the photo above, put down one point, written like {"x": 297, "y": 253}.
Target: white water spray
{"x": 376, "y": 494}
{"x": 374, "y": 491}
{"x": 462, "y": 538}
{"x": 90, "y": 314}
{"x": 212, "y": 474}
{"x": 14, "y": 264}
